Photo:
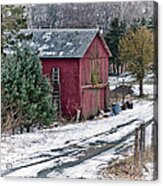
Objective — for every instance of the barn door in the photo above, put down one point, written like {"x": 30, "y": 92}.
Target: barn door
{"x": 56, "y": 88}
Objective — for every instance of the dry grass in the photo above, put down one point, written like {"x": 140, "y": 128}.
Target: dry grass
{"x": 148, "y": 155}
{"x": 124, "y": 168}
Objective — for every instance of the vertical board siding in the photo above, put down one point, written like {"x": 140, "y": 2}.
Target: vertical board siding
{"x": 75, "y": 73}
{"x": 69, "y": 79}
{"x": 94, "y": 99}
{"x": 87, "y": 63}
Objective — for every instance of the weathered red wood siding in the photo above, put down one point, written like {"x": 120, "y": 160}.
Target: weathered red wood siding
{"x": 94, "y": 97}
{"x": 69, "y": 79}
{"x": 92, "y": 101}
{"x": 77, "y": 91}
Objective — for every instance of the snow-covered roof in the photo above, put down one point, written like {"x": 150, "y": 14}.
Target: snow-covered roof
{"x": 62, "y": 43}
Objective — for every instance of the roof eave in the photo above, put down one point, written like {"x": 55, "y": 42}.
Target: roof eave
{"x": 105, "y": 45}
{"x": 90, "y": 43}
{"x": 103, "y": 41}
{"x": 60, "y": 57}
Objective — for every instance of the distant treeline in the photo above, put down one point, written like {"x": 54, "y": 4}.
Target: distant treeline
{"x": 86, "y": 15}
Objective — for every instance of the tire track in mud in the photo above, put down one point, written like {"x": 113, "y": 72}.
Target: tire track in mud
{"x": 79, "y": 151}
{"x": 89, "y": 153}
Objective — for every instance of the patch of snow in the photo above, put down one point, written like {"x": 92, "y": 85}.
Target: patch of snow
{"x": 32, "y": 44}
{"x": 47, "y": 36}
{"x": 147, "y": 89}
{"x": 129, "y": 78}
{"x": 19, "y": 44}
{"x": 71, "y": 51}
{"x": 48, "y": 53}
{"x": 149, "y": 78}
{"x": 8, "y": 51}
{"x": 24, "y": 149}
{"x": 148, "y": 136}
{"x": 49, "y": 33}
{"x": 45, "y": 46}
{"x": 27, "y": 33}
{"x": 61, "y": 53}
{"x": 117, "y": 80}
{"x": 148, "y": 175}
{"x": 69, "y": 44}
{"x": 30, "y": 171}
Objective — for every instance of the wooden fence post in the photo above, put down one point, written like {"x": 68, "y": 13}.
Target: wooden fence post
{"x": 155, "y": 149}
{"x": 142, "y": 140}
{"x": 137, "y": 154}
{"x": 78, "y": 115}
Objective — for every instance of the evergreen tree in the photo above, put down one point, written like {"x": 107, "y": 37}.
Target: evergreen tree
{"x": 115, "y": 33}
{"x": 136, "y": 49}
{"x": 26, "y": 97}
{"x": 138, "y": 23}
{"x": 13, "y": 18}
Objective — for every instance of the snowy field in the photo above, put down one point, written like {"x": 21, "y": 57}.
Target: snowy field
{"x": 79, "y": 150}
{"x": 129, "y": 79}
{"x": 148, "y": 86}
{"x": 75, "y": 150}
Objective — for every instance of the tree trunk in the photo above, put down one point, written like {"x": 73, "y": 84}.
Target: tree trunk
{"x": 122, "y": 68}
{"x": 141, "y": 87}
{"x": 114, "y": 68}
{"x": 21, "y": 130}
{"x": 13, "y": 131}
{"x": 28, "y": 128}
{"x": 117, "y": 70}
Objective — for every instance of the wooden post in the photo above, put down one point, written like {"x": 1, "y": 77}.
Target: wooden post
{"x": 137, "y": 154}
{"x": 123, "y": 95}
{"x": 78, "y": 116}
{"x": 155, "y": 150}
{"x": 106, "y": 98}
{"x": 143, "y": 133}
{"x": 142, "y": 140}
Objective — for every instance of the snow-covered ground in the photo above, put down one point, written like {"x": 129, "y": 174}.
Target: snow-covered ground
{"x": 75, "y": 150}
{"x": 148, "y": 175}
{"x": 129, "y": 78}
{"x": 117, "y": 80}
{"x": 79, "y": 150}
{"x": 148, "y": 88}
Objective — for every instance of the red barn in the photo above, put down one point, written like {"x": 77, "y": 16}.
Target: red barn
{"x": 76, "y": 61}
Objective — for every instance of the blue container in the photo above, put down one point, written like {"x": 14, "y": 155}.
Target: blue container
{"x": 116, "y": 108}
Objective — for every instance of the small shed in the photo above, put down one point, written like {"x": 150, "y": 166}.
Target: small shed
{"x": 76, "y": 61}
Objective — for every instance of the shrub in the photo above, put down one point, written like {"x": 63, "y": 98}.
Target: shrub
{"x": 26, "y": 96}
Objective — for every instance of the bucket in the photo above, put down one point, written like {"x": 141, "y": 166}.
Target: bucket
{"x": 116, "y": 108}
{"x": 129, "y": 105}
